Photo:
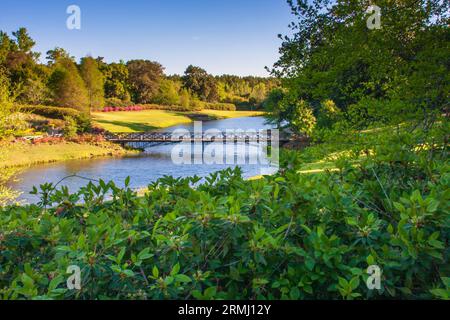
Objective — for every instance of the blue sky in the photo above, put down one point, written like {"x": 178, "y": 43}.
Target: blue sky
{"x": 222, "y": 36}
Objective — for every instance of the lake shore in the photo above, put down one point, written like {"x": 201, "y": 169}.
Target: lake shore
{"x": 24, "y": 154}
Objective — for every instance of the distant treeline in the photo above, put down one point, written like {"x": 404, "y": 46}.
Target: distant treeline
{"x": 93, "y": 84}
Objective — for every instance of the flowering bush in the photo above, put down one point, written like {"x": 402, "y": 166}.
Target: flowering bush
{"x": 129, "y": 108}
{"x": 47, "y": 140}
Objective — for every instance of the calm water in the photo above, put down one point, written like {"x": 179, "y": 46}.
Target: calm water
{"x": 144, "y": 168}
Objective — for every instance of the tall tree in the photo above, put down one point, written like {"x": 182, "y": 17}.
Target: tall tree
{"x": 332, "y": 54}
{"x": 167, "y": 93}
{"x": 94, "y": 82}
{"x": 56, "y": 54}
{"x": 200, "y": 83}
{"x": 116, "y": 80}
{"x": 145, "y": 78}
{"x": 67, "y": 86}
{"x": 20, "y": 62}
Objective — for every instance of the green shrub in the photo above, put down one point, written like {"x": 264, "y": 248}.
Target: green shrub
{"x": 115, "y": 102}
{"x": 50, "y": 112}
{"x": 70, "y": 127}
{"x": 83, "y": 120}
{"x": 287, "y": 236}
{"x": 220, "y": 106}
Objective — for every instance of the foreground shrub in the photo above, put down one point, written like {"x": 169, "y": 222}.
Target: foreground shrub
{"x": 287, "y": 236}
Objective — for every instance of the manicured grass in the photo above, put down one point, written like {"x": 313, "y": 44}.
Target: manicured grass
{"x": 26, "y": 154}
{"x": 153, "y": 119}
{"x": 231, "y": 114}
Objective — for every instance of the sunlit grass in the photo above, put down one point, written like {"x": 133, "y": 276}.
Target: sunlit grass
{"x": 153, "y": 119}
{"x": 232, "y": 114}
{"x": 25, "y": 154}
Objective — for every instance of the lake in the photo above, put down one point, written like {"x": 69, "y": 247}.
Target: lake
{"x": 153, "y": 163}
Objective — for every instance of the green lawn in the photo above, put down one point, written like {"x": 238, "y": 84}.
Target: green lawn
{"x": 153, "y": 119}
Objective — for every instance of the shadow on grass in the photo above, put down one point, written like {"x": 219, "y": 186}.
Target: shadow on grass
{"x": 197, "y": 116}
{"x": 130, "y": 125}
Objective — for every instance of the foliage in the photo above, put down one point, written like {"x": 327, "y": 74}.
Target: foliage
{"x": 83, "y": 120}
{"x": 116, "y": 80}
{"x": 287, "y": 236}
{"x": 49, "y": 112}
{"x": 395, "y": 73}
{"x": 167, "y": 93}
{"x": 200, "y": 83}
{"x": 67, "y": 86}
{"x": 94, "y": 82}
{"x": 70, "y": 128}
{"x": 144, "y": 77}
{"x": 6, "y": 193}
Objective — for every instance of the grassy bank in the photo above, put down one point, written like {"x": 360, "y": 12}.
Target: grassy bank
{"x": 155, "y": 119}
{"x": 26, "y": 154}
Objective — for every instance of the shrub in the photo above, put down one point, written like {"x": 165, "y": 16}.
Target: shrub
{"x": 70, "y": 128}
{"x": 220, "y": 106}
{"x": 287, "y": 236}
{"x": 115, "y": 102}
{"x": 83, "y": 120}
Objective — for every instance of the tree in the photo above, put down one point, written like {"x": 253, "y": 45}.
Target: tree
{"x": 333, "y": 55}
{"x": 144, "y": 78}
{"x": 258, "y": 94}
{"x": 272, "y": 105}
{"x": 5, "y": 102}
{"x": 56, "y": 54}
{"x": 94, "y": 82}
{"x": 116, "y": 80}
{"x": 185, "y": 98}
{"x": 20, "y": 62}
{"x": 200, "y": 83}
{"x": 167, "y": 93}
{"x": 67, "y": 86}
{"x": 6, "y": 193}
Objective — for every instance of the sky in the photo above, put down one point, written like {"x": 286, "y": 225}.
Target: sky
{"x": 222, "y": 36}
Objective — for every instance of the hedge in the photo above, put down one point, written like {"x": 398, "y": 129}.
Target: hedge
{"x": 50, "y": 112}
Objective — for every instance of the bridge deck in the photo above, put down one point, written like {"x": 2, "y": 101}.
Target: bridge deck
{"x": 170, "y": 137}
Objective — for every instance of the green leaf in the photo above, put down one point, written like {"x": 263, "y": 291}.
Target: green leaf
{"x": 210, "y": 292}
{"x": 120, "y": 255}
{"x": 436, "y": 244}
{"x": 28, "y": 282}
{"x": 399, "y": 207}
{"x": 354, "y": 283}
{"x": 294, "y": 293}
{"x": 182, "y": 278}
{"x": 432, "y": 207}
{"x": 343, "y": 283}
{"x": 175, "y": 269}
{"x": 155, "y": 272}
{"x": 310, "y": 263}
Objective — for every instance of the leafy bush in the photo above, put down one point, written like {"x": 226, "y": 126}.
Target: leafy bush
{"x": 287, "y": 236}
{"x": 83, "y": 120}
{"x": 50, "y": 112}
{"x": 115, "y": 102}
{"x": 220, "y": 106}
{"x": 70, "y": 128}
